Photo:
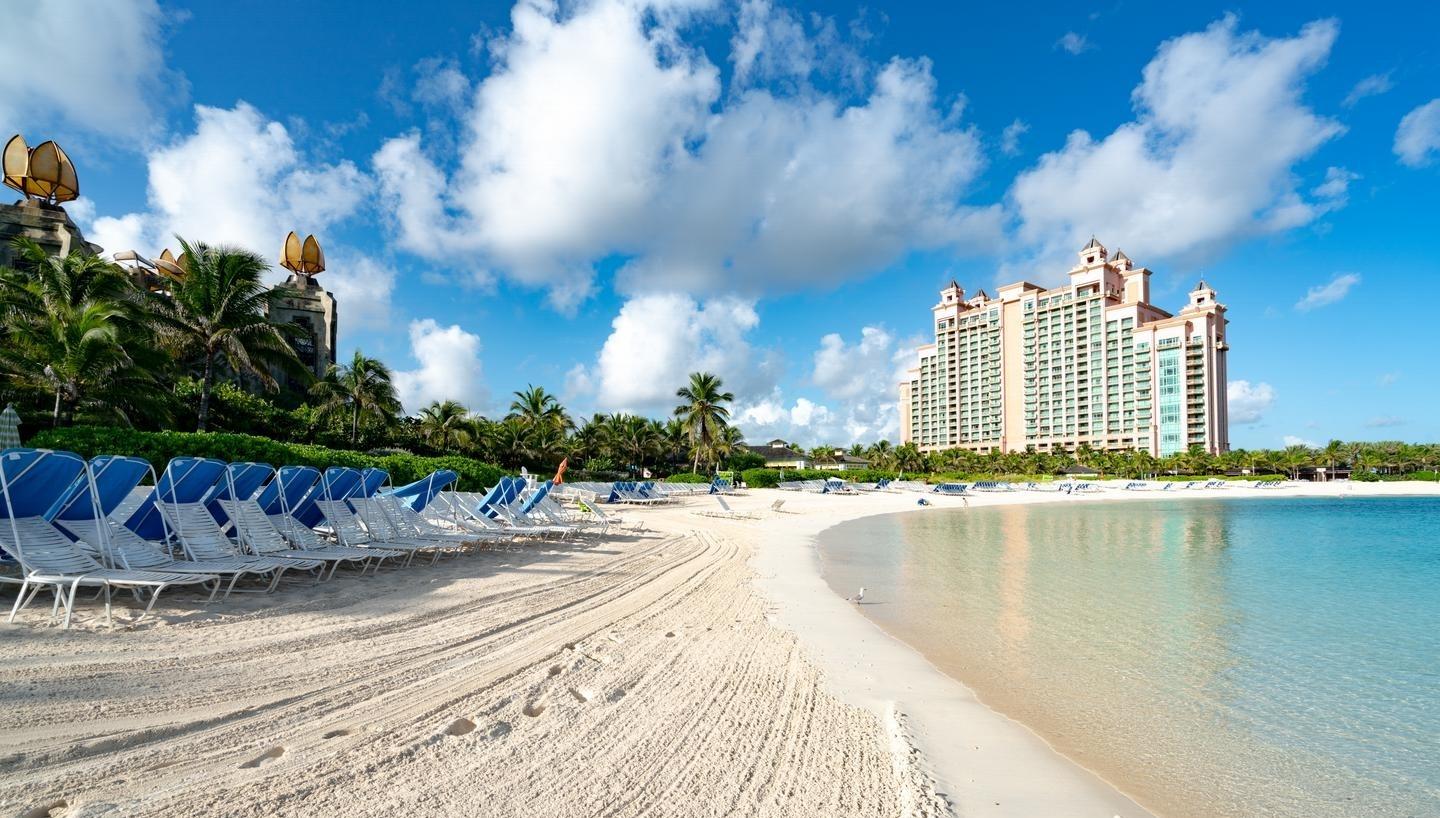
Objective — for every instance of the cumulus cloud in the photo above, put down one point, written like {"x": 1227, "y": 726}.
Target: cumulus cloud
{"x": 238, "y": 179}
{"x": 1073, "y": 43}
{"x": 1292, "y": 440}
{"x": 1325, "y": 294}
{"x": 450, "y": 368}
{"x": 362, "y": 286}
{"x": 96, "y": 65}
{"x": 1373, "y": 85}
{"x": 1417, "y": 140}
{"x": 1249, "y": 402}
{"x": 1208, "y": 160}
{"x": 601, "y": 131}
{"x": 658, "y": 339}
{"x": 859, "y": 385}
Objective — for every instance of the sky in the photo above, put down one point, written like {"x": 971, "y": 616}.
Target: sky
{"x": 600, "y": 197}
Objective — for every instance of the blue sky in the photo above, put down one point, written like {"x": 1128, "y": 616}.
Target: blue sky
{"x": 599, "y": 197}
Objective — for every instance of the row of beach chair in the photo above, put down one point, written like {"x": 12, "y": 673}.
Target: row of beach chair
{"x": 111, "y": 524}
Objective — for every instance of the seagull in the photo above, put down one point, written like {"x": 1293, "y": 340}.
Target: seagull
{"x": 858, "y": 597}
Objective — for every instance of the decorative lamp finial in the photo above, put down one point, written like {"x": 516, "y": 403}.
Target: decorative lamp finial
{"x": 44, "y": 173}
{"x": 304, "y": 258}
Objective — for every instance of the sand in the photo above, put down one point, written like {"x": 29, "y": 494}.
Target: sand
{"x": 702, "y": 668}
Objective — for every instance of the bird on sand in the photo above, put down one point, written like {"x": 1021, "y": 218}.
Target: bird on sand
{"x": 858, "y": 597}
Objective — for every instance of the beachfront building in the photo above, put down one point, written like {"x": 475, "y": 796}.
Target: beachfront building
{"x": 1090, "y": 362}
{"x": 780, "y": 455}
{"x": 841, "y": 460}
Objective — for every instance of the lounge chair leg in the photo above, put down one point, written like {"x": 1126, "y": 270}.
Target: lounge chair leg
{"x": 154, "y": 597}
{"x": 70, "y": 608}
{"x": 215, "y": 589}
{"x": 275, "y": 581}
{"x": 231, "y": 587}
{"x": 14, "y": 609}
{"x": 108, "y": 622}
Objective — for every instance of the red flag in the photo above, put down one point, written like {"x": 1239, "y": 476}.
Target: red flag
{"x": 560, "y": 472}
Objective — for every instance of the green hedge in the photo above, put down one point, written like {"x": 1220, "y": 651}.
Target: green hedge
{"x": 688, "y": 477}
{"x": 769, "y": 478}
{"x": 159, "y": 447}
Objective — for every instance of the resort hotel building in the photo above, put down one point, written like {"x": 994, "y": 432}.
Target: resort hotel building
{"x": 1091, "y": 362}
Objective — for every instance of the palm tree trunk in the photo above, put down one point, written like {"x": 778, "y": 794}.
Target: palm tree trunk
{"x": 55, "y": 416}
{"x": 354, "y": 423}
{"x": 204, "y": 413}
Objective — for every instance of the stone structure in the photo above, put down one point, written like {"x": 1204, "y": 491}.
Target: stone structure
{"x": 308, "y": 305}
{"x": 48, "y": 224}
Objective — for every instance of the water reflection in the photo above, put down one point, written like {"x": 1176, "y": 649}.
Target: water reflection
{"x": 1171, "y": 645}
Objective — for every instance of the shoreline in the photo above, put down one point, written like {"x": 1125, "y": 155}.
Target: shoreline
{"x": 977, "y": 778}
{"x": 700, "y": 667}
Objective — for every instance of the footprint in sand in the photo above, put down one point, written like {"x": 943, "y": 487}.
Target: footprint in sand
{"x": 54, "y": 809}
{"x": 670, "y": 634}
{"x": 460, "y": 727}
{"x": 536, "y": 707}
{"x": 616, "y": 695}
{"x": 268, "y": 757}
{"x": 556, "y": 670}
{"x": 582, "y": 694}
{"x": 340, "y": 733}
{"x": 500, "y": 730}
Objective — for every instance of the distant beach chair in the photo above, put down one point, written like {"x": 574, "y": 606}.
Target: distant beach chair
{"x": 726, "y": 512}
{"x": 950, "y": 489}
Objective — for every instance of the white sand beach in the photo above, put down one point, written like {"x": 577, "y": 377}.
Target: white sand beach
{"x": 700, "y": 668}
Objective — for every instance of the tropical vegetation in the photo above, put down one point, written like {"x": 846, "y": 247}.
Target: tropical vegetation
{"x": 85, "y": 344}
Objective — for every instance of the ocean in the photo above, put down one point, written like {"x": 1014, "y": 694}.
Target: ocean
{"x": 1210, "y": 657}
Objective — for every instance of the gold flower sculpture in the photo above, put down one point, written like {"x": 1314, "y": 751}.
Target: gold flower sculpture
{"x": 44, "y": 173}
{"x": 304, "y": 258}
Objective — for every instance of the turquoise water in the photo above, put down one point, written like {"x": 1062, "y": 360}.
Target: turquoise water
{"x": 1270, "y": 657}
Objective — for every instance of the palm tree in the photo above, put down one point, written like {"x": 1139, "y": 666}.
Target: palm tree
{"x": 73, "y": 328}
{"x": 881, "y": 454}
{"x": 219, "y": 309}
{"x": 704, "y": 412}
{"x": 535, "y": 407}
{"x": 446, "y": 423}
{"x": 363, "y": 387}
{"x": 634, "y": 439}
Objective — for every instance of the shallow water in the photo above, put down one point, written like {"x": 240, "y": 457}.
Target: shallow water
{"x": 1270, "y": 657}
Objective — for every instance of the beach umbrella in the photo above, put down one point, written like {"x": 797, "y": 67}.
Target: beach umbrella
{"x": 9, "y": 428}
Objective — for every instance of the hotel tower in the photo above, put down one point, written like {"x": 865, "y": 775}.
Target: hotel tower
{"x": 1091, "y": 362}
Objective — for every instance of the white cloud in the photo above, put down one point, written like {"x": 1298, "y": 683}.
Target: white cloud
{"x": 1371, "y": 86}
{"x": 658, "y": 339}
{"x": 859, "y": 383}
{"x": 1249, "y": 402}
{"x": 362, "y": 287}
{"x": 1292, "y": 440}
{"x": 97, "y": 65}
{"x": 450, "y": 368}
{"x": 598, "y": 134}
{"x": 1324, "y": 294}
{"x": 846, "y": 371}
{"x": 238, "y": 179}
{"x": 1073, "y": 43}
{"x": 1010, "y": 137}
{"x": 1336, "y": 187}
{"x": 1417, "y": 140}
{"x": 788, "y": 192}
{"x": 1209, "y": 158}
{"x": 1385, "y": 422}
{"x": 1388, "y": 378}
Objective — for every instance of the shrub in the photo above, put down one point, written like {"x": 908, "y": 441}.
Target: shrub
{"x": 688, "y": 477}
{"x": 741, "y": 461}
{"x": 769, "y": 478}
{"x": 159, "y": 447}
